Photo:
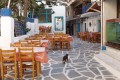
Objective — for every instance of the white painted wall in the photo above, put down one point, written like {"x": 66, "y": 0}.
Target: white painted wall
{"x": 94, "y": 26}
{"x": 31, "y": 27}
{"x": 16, "y": 39}
{"x": 59, "y": 11}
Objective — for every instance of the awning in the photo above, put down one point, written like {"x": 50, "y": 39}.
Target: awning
{"x": 78, "y": 17}
{"x": 89, "y": 14}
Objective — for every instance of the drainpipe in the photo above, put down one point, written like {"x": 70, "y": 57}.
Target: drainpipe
{"x": 102, "y": 44}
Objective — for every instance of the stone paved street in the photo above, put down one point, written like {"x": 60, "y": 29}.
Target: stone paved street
{"x": 80, "y": 66}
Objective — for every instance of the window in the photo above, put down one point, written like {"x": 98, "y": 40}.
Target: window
{"x": 45, "y": 16}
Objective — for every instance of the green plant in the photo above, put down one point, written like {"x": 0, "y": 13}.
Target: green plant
{"x": 27, "y": 29}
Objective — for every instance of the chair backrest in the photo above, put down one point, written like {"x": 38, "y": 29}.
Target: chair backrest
{"x": 36, "y": 43}
{"x": 8, "y": 55}
{"x": 64, "y": 39}
{"x": 56, "y": 39}
{"x": 17, "y": 44}
{"x": 26, "y": 54}
{"x": 23, "y": 41}
{"x": 64, "y": 35}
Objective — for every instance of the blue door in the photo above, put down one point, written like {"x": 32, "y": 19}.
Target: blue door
{"x": 78, "y": 27}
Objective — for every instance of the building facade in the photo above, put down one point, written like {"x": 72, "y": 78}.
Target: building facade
{"x": 110, "y": 42}
{"x": 82, "y": 18}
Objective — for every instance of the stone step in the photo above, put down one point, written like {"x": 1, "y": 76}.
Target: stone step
{"x": 114, "y": 53}
{"x": 108, "y": 60}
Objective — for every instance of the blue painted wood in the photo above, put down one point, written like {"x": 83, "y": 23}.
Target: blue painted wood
{"x": 6, "y": 12}
{"x": 30, "y": 20}
{"x": 78, "y": 27}
{"x": 84, "y": 8}
{"x": 103, "y": 48}
{"x": 46, "y": 13}
{"x": 46, "y": 16}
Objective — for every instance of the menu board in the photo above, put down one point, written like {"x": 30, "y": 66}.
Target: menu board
{"x": 19, "y": 28}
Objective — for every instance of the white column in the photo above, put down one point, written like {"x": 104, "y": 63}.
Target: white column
{"x": 7, "y": 31}
{"x": 36, "y": 27}
{"x": 31, "y": 27}
{"x": 109, "y": 12}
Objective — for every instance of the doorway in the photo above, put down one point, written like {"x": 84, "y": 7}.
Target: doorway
{"x": 85, "y": 27}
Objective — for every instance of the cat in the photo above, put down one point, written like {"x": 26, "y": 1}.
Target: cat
{"x": 65, "y": 58}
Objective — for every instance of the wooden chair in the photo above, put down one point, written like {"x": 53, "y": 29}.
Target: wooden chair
{"x": 64, "y": 35}
{"x": 17, "y": 44}
{"x": 65, "y": 42}
{"x": 26, "y": 56}
{"x": 35, "y": 43}
{"x": 51, "y": 41}
{"x": 56, "y": 42}
{"x": 24, "y": 43}
{"x": 8, "y": 62}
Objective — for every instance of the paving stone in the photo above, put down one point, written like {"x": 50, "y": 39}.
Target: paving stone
{"x": 82, "y": 69}
{"x": 57, "y": 70}
{"x": 45, "y": 72}
{"x": 78, "y": 60}
{"x": 46, "y": 64}
{"x": 110, "y": 79}
{"x": 81, "y": 78}
{"x": 106, "y": 73}
{"x": 82, "y": 66}
{"x": 81, "y": 56}
{"x": 95, "y": 70}
{"x": 69, "y": 68}
{"x": 48, "y": 78}
{"x": 102, "y": 68}
{"x": 57, "y": 58}
{"x": 46, "y": 67}
{"x": 57, "y": 65}
{"x": 99, "y": 77}
{"x": 73, "y": 74}
{"x": 59, "y": 76}
{"x": 89, "y": 74}
{"x": 91, "y": 79}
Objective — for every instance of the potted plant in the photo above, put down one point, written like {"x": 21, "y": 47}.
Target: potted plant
{"x": 26, "y": 29}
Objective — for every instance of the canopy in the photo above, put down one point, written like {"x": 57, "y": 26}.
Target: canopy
{"x": 95, "y": 7}
{"x": 89, "y": 14}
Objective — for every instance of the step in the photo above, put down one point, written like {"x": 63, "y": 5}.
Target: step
{"x": 109, "y": 60}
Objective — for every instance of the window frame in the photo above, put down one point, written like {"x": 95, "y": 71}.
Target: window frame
{"x": 46, "y": 15}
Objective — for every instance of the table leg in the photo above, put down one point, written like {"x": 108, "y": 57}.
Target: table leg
{"x": 17, "y": 70}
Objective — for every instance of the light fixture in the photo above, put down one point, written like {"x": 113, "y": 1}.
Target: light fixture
{"x": 52, "y": 12}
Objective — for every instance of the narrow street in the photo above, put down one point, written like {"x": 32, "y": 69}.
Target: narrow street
{"x": 80, "y": 66}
